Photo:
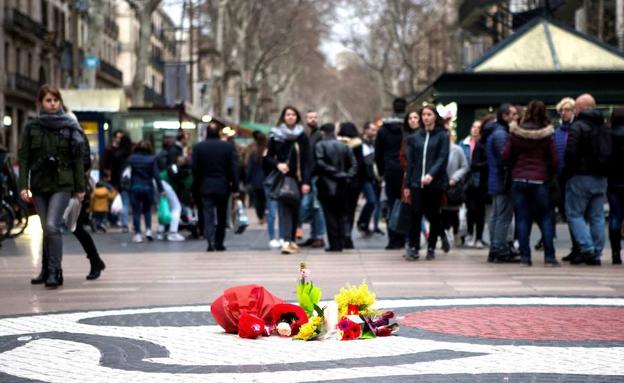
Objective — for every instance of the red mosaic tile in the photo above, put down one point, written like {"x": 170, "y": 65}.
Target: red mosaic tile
{"x": 524, "y": 323}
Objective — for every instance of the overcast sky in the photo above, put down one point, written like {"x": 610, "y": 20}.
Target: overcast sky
{"x": 329, "y": 47}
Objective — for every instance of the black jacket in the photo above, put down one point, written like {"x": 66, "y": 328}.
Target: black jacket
{"x": 314, "y": 137}
{"x": 388, "y": 146}
{"x": 279, "y": 150}
{"x": 616, "y": 172}
{"x": 431, "y": 149}
{"x": 580, "y": 155}
{"x": 334, "y": 165}
{"x": 215, "y": 167}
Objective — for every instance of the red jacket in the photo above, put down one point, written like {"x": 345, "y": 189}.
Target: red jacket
{"x": 531, "y": 152}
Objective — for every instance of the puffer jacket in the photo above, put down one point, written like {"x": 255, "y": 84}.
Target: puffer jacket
{"x": 144, "y": 169}
{"x": 334, "y": 166}
{"x": 531, "y": 152}
{"x": 428, "y": 153}
{"x": 100, "y": 199}
{"x": 495, "y": 144}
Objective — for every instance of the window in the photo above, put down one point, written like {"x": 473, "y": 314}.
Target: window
{"x": 7, "y": 54}
{"x": 44, "y": 13}
{"x": 29, "y": 66}
{"x": 18, "y": 60}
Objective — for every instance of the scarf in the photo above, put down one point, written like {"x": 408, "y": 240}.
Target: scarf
{"x": 59, "y": 120}
{"x": 283, "y": 133}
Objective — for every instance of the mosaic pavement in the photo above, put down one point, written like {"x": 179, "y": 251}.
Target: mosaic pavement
{"x": 511, "y": 339}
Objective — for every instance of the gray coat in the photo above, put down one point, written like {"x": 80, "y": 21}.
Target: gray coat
{"x": 457, "y": 166}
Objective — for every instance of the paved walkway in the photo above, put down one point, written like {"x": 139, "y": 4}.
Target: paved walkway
{"x": 463, "y": 320}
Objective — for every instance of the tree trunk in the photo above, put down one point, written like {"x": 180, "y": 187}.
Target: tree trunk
{"x": 600, "y": 20}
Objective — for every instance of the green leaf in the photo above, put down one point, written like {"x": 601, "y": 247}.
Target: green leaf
{"x": 367, "y": 334}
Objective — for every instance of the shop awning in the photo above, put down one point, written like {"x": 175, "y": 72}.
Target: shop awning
{"x": 255, "y": 126}
{"x": 95, "y": 100}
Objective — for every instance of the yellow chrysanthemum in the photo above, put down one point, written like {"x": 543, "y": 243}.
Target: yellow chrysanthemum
{"x": 351, "y": 295}
{"x": 310, "y": 329}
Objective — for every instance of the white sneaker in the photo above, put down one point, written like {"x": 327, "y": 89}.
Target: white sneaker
{"x": 137, "y": 238}
{"x": 470, "y": 241}
{"x": 175, "y": 237}
{"x": 160, "y": 237}
{"x": 479, "y": 244}
{"x": 148, "y": 235}
{"x": 275, "y": 244}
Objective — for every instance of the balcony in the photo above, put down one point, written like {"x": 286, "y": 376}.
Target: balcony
{"x": 22, "y": 84}
{"x": 157, "y": 63}
{"x": 24, "y": 25}
{"x": 151, "y": 96}
{"x": 111, "y": 70}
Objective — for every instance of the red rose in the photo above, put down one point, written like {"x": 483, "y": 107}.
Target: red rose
{"x": 250, "y": 326}
{"x": 291, "y": 314}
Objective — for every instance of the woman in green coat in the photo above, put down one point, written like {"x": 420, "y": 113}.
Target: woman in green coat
{"x": 51, "y": 170}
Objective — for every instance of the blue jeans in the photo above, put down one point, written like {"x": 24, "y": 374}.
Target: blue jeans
{"x": 141, "y": 200}
{"x": 585, "y": 196}
{"x": 532, "y": 203}
{"x": 125, "y": 199}
{"x": 372, "y": 206}
{"x": 50, "y": 208}
{"x": 271, "y": 215}
{"x": 502, "y": 212}
{"x": 312, "y": 212}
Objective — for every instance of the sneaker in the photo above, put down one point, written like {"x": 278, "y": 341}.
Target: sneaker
{"x": 289, "y": 248}
{"x": 125, "y": 229}
{"x": 411, "y": 254}
{"x": 148, "y": 235}
{"x": 379, "y": 232}
{"x": 175, "y": 237}
{"x": 430, "y": 255}
{"x": 137, "y": 238}
{"x": 275, "y": 244}
{"x": 293, "y": 245}
{"x": 160, "y": 237}
{"x": 478, "y": 244}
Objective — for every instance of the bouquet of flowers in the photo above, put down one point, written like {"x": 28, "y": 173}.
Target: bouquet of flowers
{"x": 355, "y": 300}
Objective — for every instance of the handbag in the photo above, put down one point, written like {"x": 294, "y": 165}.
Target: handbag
{"x": 400, "y": 217}
{"x": 71, "y": 214}
{"x": 287, "y": 191}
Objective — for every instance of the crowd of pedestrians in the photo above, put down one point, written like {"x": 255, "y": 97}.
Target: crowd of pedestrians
{"x": 521, "y": 164}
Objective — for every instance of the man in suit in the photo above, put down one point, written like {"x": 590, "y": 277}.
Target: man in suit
{"x": 215, "y": 166}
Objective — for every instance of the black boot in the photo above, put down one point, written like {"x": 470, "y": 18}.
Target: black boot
{"x": 43, "y": 275}
{"x": 617, "y": 260}
{"x": 211, "y": 247}
{"x": 55, "y": 279}
{"x": 97, "y": 265}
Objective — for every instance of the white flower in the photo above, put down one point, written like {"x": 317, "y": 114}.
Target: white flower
{"x": 283, "y": 329}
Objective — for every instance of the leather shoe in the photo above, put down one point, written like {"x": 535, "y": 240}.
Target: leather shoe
{"x": 307, "y": 243}
{"x": 594, "y": 261}
{"x": 581, "y": 258}
{"x": 40, "y": 279}
{"x": 211, "y": 247}
{"x": 220, "y": 247}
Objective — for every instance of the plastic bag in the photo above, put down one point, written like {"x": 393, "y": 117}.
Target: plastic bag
{"x": 463, "y": 224}
{"x": 239, "y": 217}
{"x": 117, "y": 205}
{"x": 164, "y": 211}
{"x": 71, "y": 214}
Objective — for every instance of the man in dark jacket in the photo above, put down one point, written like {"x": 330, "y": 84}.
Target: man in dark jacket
{"x": 387, "y": 149}
{"x": 215, "y": 166}
{"x": 586, "y": 168}
{"x": 310, "y": 207}
{"x": 502, "y": 204}
{"x": 334, "y": 166}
